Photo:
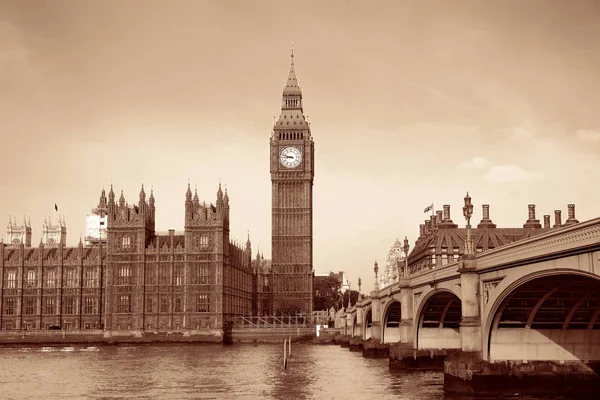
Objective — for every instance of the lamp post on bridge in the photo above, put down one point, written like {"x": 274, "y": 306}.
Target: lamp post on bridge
{"x": 406, "y": 248}
{"x": 349, "y": 303}
{"x": 359, "y": 283}
{"x": 470, "y": 324}
{"x": 376, "y": 269}
{"x": 468, "y": 212}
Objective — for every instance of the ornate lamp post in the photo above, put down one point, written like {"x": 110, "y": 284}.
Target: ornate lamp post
{"x": 376, "y": 269}
{"x": 406, "y": 248}
{"x": 359, "y": 283}
{"x": 468, "y": 212}
{"x": 349, "y": 303}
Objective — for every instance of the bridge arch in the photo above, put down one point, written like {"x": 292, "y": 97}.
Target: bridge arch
{"x": 551, "y": 315}
{"x": 368, "y": 322}
{"x": 437, "y": 320}
{"x": 390, "y": 328}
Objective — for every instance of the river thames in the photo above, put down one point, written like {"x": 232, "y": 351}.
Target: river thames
{"x": 209, "y": 372}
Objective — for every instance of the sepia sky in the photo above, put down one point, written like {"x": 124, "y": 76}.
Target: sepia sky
{"x": 410, "y": 102}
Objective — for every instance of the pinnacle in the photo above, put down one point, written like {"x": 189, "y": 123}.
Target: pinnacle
{"x": 291, "y": 87}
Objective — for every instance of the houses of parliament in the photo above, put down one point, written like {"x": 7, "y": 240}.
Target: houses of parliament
{"x": 137, "y": 279}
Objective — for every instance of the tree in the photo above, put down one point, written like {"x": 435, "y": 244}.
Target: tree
{"x": 326, "y": 292}
{"x": 353, "y": 297}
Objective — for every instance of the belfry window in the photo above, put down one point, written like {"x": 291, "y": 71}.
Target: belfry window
{"x": 126, "y": 242}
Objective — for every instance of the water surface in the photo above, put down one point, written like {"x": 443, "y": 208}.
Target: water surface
{"x": 209, "y": 372}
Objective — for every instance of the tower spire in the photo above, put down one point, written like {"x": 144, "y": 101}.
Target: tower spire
{"x": 291, "y": 86}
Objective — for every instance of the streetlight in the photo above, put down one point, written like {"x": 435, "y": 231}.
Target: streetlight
{"x": 376, "y": 269}
{"x": 359, "y": 283}
{"x": 349, "y": 303}
{"x": 406, "y": 248}
{"x": 468, "y": 212}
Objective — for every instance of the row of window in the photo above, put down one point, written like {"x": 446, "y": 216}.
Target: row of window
{"x": 50, "y": 279}
{"x": 49, "y": 305}
{"x": 199, "y": 275}
{"x": 201, "y": 242}
{"x": 200, "y": 303}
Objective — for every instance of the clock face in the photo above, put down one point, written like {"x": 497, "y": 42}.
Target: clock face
{"x": 290, "y": 157}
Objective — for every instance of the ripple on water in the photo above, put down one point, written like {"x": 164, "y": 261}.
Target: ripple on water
{"x": 207, "y": 372}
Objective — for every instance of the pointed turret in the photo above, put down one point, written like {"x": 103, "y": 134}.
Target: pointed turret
{"x": 220, "y": 205}
{"x": 291, "y": 86}
{"x": 111, "y": 196}
{"x": 142, "y": 195}
{"x": 151, "y": 199}
{"x": 226, "y": 198}
{"x": 188, "y": 194}
{"x": 9, "y": 222}
{"x": 122, "y": 199}
{"x": 220, "y": 193}
{"x": 196, "y": 199}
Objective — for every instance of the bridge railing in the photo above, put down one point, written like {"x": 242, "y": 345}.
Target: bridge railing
{"x": 272, "y": 321}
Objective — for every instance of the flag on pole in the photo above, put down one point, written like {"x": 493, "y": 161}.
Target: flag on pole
{"x": 428, "y": 208}
{"x": 55, "y": 207}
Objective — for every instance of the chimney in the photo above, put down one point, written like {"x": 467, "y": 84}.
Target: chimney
{"x": 486, "y": 222}
{"x": 532, "y": 223}
{"x": 446, "y": 221}
{"x": 427, "y": 226}
{"x": 438, "y": 217}
{"x": 546, "y": 221}
{"x": 531, "y": 212}
{"x": 557, "y": 219}
{"x": 433, "y": 221}
{"x": 446, "y": 211}
{"x": 421, "y": 230}
{"x": 571, "y": 212}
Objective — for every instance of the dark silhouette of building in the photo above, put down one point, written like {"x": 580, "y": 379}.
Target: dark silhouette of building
{"x": 292, "y": 175}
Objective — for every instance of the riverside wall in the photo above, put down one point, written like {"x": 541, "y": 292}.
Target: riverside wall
{"x": 92, "y": 337}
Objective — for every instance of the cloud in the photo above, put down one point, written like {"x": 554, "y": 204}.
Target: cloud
{"x": 476, "y": 163}
{"x": 498, "y": 174}
{"x": 588, "y": 135}
{"x": 506, "y": 173}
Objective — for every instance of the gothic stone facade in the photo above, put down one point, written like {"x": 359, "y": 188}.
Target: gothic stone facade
{"x": 139, "y": 280}
{"x": 292, "y": 176}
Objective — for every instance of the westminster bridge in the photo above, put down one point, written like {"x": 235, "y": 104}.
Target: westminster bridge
{"x": 523, "y": 316}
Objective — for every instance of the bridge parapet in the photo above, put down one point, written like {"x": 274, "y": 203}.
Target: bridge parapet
{"x": 571, "y": 238}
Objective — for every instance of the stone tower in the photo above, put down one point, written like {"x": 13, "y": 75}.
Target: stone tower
{"x": 129, "y": 232}
{"x": 54, "y": 234}
{"x": 18, "y": 234}
{"x": 292, "y": 175}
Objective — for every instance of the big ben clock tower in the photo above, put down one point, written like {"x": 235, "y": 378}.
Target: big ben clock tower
{"x": 292, "y": 175}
